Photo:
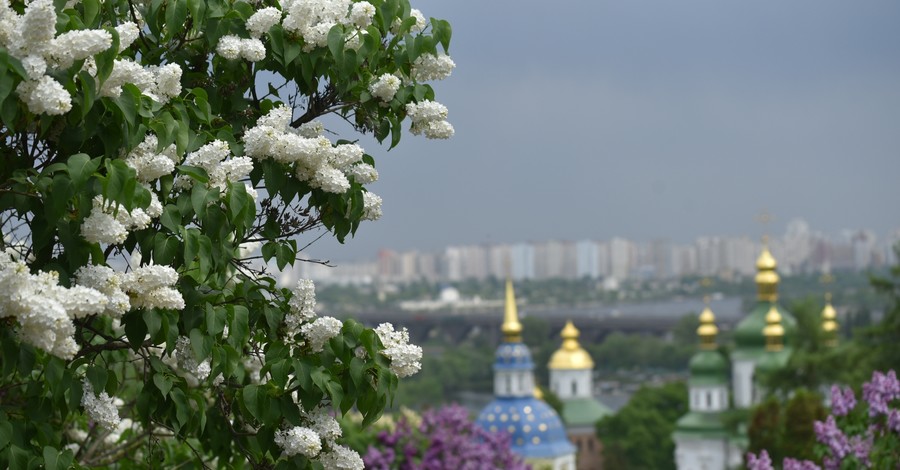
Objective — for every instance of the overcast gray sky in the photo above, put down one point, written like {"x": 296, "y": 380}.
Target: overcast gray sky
{"x": 649, "y": 119}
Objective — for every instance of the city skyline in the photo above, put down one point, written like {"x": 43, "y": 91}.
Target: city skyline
{"x": 798, "y": 249}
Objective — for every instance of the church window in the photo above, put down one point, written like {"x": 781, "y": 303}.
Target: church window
{"x": 574, "y": 388}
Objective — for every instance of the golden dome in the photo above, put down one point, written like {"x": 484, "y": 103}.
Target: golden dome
{"x": 766, "y": 277}
{"x": 766, "y": 262}
{"x": 571, "y": 356}
{"x": 511, "y": 328}
{"x": 773, "y": 331}
{"x": 707, "y": 330}
{"x": 538, "y": 393}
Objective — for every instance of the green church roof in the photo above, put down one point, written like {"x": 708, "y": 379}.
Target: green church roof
{"x": 583, "y": 411}
{"x": 709, "y": 365}
{"x": 697, "y": 424}
{"x": 748, "y": 335}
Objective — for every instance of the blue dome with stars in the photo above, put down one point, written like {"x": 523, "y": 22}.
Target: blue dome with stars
{"x": 535, "y": 428}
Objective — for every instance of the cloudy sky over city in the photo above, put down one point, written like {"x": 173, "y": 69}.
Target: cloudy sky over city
{"x": 649, "y": 119}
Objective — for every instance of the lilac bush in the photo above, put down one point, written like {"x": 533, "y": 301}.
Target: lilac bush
{"x": 864, "y": 436}
{"x": 445, "y": 439}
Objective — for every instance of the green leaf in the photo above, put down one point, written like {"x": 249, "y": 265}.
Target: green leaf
{"x": 239, "y": 330}
{"x": 249, "y": 396}
{"x": 163, "y": 383}
{"x": 285, "y": 255}
{"x": 91, "y": 8}
{"x": 135, "y": 329}
{"x": 171, "y": 218}
{"x": 199, "y": 195}
{"x": 207, "y": 261}
{"x": 191, "y": 244}
{"x": 215, "y": 320}
{"x": 97, "y": 376}
{"x": 201, "y": 345}
{"x": 165, "y": 248}
{"x": 81, "y": 167}
{"x": 195, "y": 172}
{"x": 153, "y": 320}
{"x": 128, "y": 103}
{"x": 18, "y": 458}
{"x": 176, "y": 13}
{"x": 357, "y": 371}
{"x": 182, "y": 409}
{"x": 336, "y": 43}
{"x": 198, "y": 12}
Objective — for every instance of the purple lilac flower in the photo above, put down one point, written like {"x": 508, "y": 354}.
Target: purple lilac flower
{"x": 793, "y": 464}
{"x": 446, "y": 439}
{"x": 829, "y": 434}
{"x": 881, "y": 391}
{"x": 861, "y": 447}
{"x": 763, "y": 462}
{"x": 893, "y": 421}
{"x": 831, "y": 463}
{"x": 842, "y": 401}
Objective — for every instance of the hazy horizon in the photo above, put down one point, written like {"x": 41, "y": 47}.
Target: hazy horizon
{"x": 648, "y": 120}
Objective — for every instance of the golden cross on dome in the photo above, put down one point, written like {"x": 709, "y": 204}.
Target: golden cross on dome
{"x": 765, "y": 218}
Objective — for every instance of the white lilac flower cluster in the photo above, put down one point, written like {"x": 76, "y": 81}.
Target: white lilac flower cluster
{"x": 315, "y": 160}
{"x": 31, "y": 38}
{"x": 313, "y": 19}
{"x": 385, "y": 87}
{"x": 44, "y": 309}
{"x": 109, "y": 222}
{"x": 429, "y": 118}
{"x": 149, "y": 164}
{"x": 144, "y": 287}
{"x": 371, "y": 206}
{"x": 317, "y": 440}
{"x": 299, "y": 440}
{"x": 432, "y": 67}
{"x": 234, "y": 47}
{"x": 214, "y": 159}
{"x": 318, "y": 332}
{"x": 302, "y": 306}
{"x": 100, "y": 408}
{"x": 159, "y": 83}
{"x": 341, "y": 458}
{"x": 405, "y": 358}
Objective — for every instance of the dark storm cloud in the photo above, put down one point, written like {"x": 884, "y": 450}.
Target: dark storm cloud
{"x": 650, "y": 120}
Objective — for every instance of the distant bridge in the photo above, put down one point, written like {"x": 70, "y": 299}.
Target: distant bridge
{"x": 594, "y": 323}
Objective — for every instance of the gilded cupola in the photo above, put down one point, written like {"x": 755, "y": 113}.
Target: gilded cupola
{"x": 829, "y": 322}
{"x": 774, "y": 331}
{"x": 570, "y": 356}
{"x": 766, "y": 277}
{"x": 707, "y": 330}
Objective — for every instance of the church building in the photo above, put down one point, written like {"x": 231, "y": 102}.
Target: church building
{"x": 537, "y": 433}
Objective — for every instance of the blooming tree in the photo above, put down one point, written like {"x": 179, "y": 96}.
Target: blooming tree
{"x": 443, "y": 438}
{"x": 151, "y": 152}
{"x": 857, "y": 434}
